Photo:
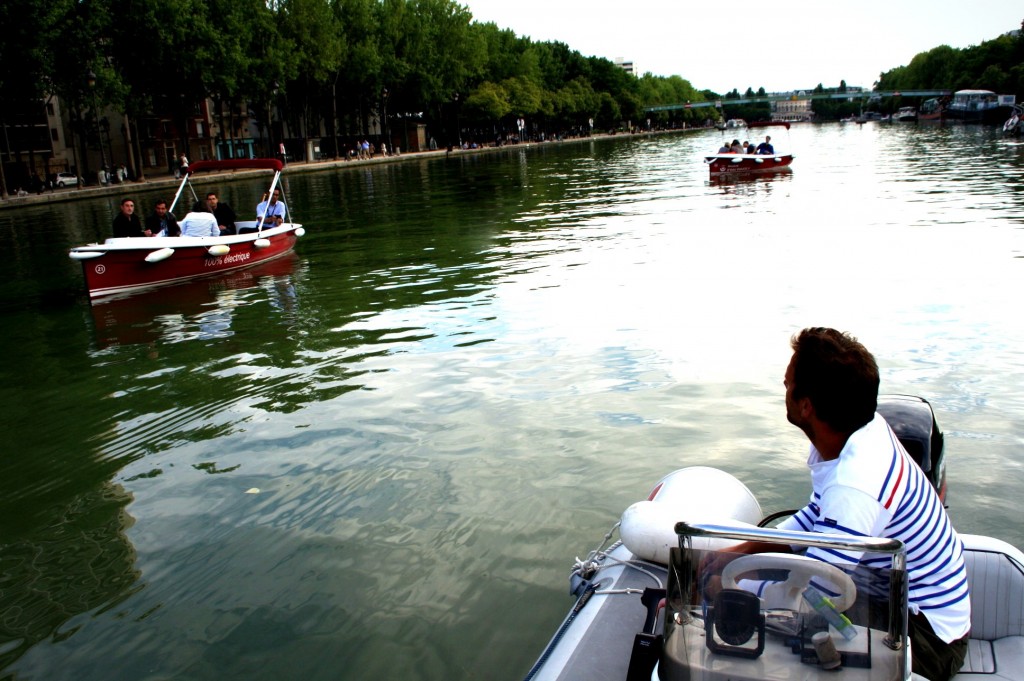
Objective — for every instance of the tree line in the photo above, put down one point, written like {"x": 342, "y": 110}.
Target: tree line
{"x": 996, "y": 65}
{"x": 327, "y": 66}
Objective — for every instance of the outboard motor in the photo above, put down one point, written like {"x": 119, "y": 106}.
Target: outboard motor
{"x": 913, "y": 421}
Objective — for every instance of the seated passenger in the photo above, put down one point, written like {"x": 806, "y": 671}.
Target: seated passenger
{"x": 748, "y": 148}
{"x": 766, "y": 146}
{"x": 272, "y": 212}
{"x": 199, "y": 224}
{"x": 725, "y": 149}
{"x": 162, "y": 223}
{"x": 127, "y": 223}
{"x": 224, "y": 214}
{"x": 735, "y": 147}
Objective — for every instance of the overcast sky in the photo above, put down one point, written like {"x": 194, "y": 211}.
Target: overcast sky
{"x": 780, "y": 46}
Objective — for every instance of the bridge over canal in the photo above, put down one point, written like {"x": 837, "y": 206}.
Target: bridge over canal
{"x": 798, "y": 96}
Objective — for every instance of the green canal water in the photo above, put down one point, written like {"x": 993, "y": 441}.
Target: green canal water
{"x": 378, "y": 459}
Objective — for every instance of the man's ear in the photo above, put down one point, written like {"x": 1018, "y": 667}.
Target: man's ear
{"x": 806, "y": 408}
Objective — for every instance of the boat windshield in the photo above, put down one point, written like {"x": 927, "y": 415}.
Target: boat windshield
{"x": 780, "y": 616}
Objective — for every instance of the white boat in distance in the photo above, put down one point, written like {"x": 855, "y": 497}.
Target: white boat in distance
{"x": 906, "y": 114}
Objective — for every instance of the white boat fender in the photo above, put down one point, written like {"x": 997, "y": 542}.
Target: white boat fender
{"x": 219, "y": 249}
{"x": 86, "y": 255}
{"x": 694, "y": 494}
{"x": 1011, "y": 124}
{"x": 160, "y": 254}
{"x": 261, "y": 243}
{"x": 300, "y": 231}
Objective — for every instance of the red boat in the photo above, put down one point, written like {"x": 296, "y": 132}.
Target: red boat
{"x": 719, "y": 164}
{"x": 122, "y": 265}
{"x": 723, "y": 163}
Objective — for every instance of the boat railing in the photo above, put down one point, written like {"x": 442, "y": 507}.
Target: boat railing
{"x": 788, "y": 538}
{"x": 893, "y": 547}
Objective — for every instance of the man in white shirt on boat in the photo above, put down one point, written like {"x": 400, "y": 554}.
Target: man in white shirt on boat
{"x": 865, "y": 484}
{"x": 274, "y": 210}
{"x": 199, "y": 224}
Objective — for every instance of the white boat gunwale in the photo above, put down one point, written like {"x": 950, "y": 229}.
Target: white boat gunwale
{"x": 183, "y": 242}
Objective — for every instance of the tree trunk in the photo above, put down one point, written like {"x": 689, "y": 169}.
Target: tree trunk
{"x": 334, "y": 114}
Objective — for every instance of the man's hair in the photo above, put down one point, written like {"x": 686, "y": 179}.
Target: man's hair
{"x": 213, "y": 194}
{"x": 159, "y": 202}
{"x": 126, "y": 200}
{"x": 839, "y": 376}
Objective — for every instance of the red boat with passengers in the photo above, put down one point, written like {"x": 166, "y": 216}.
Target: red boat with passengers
{"x": 124, "y": 265}
{"x": 725, "y": 163}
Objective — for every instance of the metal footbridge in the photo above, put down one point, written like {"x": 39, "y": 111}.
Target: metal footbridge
{"x": 800, "y": 96}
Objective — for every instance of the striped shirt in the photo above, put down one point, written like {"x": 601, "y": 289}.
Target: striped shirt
{"x": 875, "y": 489}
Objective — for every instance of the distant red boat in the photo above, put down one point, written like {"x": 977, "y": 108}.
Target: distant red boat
{"x": 747, "y": 163}
{"x": 723, "y": 163}
{"x": 123, "y": 265}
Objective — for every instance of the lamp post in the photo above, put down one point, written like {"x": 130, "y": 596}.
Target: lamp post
{"x": 91, "y": 79}
{"x": 105, "y": 127}
{"x": 384, "y": 99}
{"x": 458, "y": 130}
{"x": 270, "y": 123}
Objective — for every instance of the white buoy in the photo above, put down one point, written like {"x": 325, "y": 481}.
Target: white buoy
{"x": 299, "y": 231}
{"x": 219, "y": 249}
{"x": 694, "y": 494}
{"x": 161, "y": 254}
{"x": 261, "y": 243}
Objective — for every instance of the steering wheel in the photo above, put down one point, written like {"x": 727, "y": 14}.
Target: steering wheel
{"x": 801, "y": 570}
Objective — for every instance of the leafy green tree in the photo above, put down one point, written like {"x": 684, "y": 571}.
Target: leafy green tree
{"x": 488, "y": 102}
{"x": 524, "y": 96}
{"x": 609, "y": 114}
{"x": 314, "y": 28}
{"x": 30, "y": 51}
{"x": 361, "y": 71}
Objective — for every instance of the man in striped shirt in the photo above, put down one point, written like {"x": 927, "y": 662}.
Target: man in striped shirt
{"x": 865, "y": 484}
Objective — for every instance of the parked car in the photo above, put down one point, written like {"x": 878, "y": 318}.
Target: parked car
{"x": 66, "y": 179}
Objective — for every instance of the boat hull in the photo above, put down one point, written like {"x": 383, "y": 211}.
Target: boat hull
{"x": 597, "y": 643}
{"x": 722, "y": 164}
{"x": 991, "y": 116}
{"x": 137, "y": 264}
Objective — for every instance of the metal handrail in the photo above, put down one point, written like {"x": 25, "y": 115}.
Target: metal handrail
{"x": 894, "y": 547}
{"x": 806, "y": 539}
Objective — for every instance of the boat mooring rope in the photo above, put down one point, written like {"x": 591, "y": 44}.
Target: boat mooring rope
{"x": 586, "y": 569}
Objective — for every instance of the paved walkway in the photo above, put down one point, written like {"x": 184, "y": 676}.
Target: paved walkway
{"x": 159, "y": 179}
